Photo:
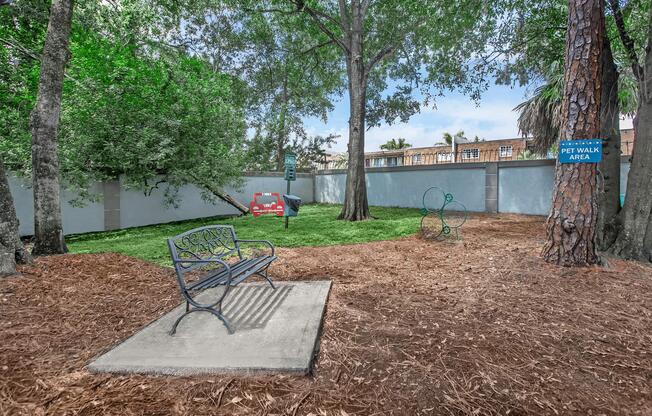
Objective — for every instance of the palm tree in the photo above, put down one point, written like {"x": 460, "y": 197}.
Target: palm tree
{"x": 448, "y": 138}
{"x": 395, "y": 145}
{"x": 540, "y": 115}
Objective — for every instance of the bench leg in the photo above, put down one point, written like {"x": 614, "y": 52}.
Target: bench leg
{"x": 263, "y": 274}
{"x": 210, "y": 310}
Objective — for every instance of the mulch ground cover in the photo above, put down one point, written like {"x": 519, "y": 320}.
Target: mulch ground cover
{"x": 475, "y": 326}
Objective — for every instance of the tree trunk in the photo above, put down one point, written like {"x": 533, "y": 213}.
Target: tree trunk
{"x": 571, "y": 225}
{"x": 11, "y": 248}
{"x": 635, "y": 235}
{"x": 355, "y": 206}
{"x": 282, "y": 134}
{"x": 197, "y": 181}
{"x": 634, "y": 240}
{"x": 280, "y": 143}
{"x": 609, "y": 190}
{"x": 44, "y": 123}
{"x": 231, "y": 201}
{"x": 647, "y": 128}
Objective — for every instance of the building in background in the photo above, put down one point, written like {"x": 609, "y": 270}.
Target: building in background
{"x": 463, "y": 151}
{"x": 386, "y": 158}
{"x": 627, "y": 141}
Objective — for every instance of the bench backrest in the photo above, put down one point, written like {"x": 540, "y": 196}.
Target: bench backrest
{"x": 205, "y": 243}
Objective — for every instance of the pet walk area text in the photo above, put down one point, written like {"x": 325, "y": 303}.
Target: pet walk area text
{"x": 580, "y": 151}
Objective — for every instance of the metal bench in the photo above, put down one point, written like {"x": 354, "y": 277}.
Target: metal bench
{"x": 208, "y": 257}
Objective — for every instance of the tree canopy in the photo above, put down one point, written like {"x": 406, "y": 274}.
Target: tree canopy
{"x": 287, "y": 76}
{"x": 131, "y": 107}
{"x": 417, "y": 48}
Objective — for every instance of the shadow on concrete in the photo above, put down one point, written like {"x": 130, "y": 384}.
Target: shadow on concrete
{"x": 251, "y": 307}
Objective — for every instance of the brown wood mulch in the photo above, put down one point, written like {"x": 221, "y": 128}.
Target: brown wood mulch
{"x": 476, "y": 326}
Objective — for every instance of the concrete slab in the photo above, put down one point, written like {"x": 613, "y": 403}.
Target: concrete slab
{"x": 275, "y": 331}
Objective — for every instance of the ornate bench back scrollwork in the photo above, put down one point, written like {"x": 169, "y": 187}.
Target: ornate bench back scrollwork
{"x": 206, "y": 243}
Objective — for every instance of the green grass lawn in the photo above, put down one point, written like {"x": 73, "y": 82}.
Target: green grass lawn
{"x": 316, "y": 225}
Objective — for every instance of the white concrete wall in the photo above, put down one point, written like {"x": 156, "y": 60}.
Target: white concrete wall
{"x": 528, "y": 189}
{"x": 525, "y": 189}
{"x": 405, "y": 188}
{"x": 624, "y": 171}
{"x": 136, "y": 208}
{"x": 75, "y": 219}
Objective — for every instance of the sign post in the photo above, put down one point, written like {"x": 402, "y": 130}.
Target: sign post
{"x": 290, "y": 175}
{"x": 580, "y": 151}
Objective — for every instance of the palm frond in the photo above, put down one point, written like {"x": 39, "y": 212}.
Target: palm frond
{"x": 540, "y": 116}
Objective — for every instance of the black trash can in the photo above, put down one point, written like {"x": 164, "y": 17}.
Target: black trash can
{"x": 292, "y": 204}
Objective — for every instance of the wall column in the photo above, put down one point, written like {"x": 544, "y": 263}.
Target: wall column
{"x": 491, "y": 188}
{"x": 111, "y": 191}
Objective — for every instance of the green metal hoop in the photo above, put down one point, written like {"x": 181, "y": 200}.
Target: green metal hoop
{"x": 442, "y": 214}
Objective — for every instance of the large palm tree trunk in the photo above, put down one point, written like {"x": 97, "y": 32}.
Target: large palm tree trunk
{"x": 44, "y": 123}
{"x": 571, "y": 225}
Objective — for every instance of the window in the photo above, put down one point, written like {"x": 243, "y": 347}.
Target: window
{"x": 379, "y": 162}
{"x": 444, "y": 157}
{"x": 471, "y": 154}
{"x": 505, "y": 151}
{"x": 367, "y": 163}
{"x": 392, "y": 161}
{"x": 416, "y": 159}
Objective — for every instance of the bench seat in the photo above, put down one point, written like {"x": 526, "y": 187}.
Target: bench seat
{"x": 239, "y": 270}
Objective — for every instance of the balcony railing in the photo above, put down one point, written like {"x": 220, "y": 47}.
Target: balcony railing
{"x": 466, "y": 156}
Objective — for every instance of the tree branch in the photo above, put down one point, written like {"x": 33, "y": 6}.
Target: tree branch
{"x": 13, "y": 43}
{"x": 195, "y": 180}
{"x": 627, "y": 41}
{"x": 327, "y": 31}
{"x": 327, "y": 17}
{"x": 321, "y": 45}
{"x": 344, "y": 15}
{"x": 273, "y": 10}
{"x": 495, "y": 54}
{"x": 389, "y": 50}
{"x": 364, "y": 7}
{"x": 315, "y": 15}
{"x": 379, "y": 57}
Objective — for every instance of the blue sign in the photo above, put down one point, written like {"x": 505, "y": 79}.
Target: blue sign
{"x": 580, "y": 151}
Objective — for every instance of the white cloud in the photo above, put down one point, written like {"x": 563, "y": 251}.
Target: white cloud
{"x": 491, "y": 120}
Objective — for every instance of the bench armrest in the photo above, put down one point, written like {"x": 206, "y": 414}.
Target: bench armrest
{"x": 206, "y": 261}
{"x": 271, "y": 246}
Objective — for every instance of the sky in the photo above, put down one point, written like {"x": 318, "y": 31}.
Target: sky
{"x": 492, "y": 119}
